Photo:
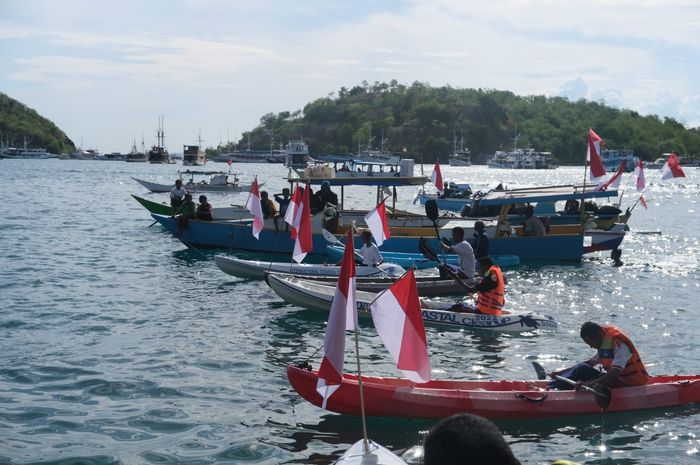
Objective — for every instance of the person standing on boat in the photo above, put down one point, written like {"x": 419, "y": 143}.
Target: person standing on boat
{"x": 616, "y": 353}
{"x": 204, "y": 209}
{"x": 465, "y": 253}
{"x": 268, "y": 207}
{"x": 490, "y": 288}
{"x": 325, "y": 196}
{"x": 369, "y": 251}
{"x": 177, "y": 194}
{"x": 283, "y": 200}
{"x": 481, "y": 241}
{"x": 533, "y": 226}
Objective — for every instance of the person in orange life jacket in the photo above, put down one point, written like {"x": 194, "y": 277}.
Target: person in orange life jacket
{"x": 490, "y": 288}
{"x": 616, "y": 353}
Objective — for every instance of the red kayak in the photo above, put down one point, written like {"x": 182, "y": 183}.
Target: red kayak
{"x": 396, "y": 397}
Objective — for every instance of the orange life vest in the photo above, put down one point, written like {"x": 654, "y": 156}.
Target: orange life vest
{"x": 491, "y": 302}
{"x": 634, "y": 373}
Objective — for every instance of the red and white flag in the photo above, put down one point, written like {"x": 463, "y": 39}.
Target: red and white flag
{"x": 436, "y": 177}
{"x": 397, "y": 316}
{"x": 614, "y": 181}
{"x": 595, "y": 143}
{"x": 229, "y": 161}
{"x": 377, "y": 223}
{"x": 343, "y": 317}
{"x": 672, "y": 168}
{"x": 303, "y": 240}
{"x": 291, "y": 213}
{"x": 639, "y": 174}
{"x": 255, "y": 208}
{"x": 643, "y": 201}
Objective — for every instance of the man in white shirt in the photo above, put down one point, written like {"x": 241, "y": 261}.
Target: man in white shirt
{"x": 467, "y": 261}
{"x": 177, "y": 194}
{"x": 369, "y": 251}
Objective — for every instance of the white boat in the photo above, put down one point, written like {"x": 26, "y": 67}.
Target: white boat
{"x": 26, "y": 154}
{"x": 461, "y": 158}
{"x": 255, "y": 269}
{"x": 297, "y": 154}
{"x": 316, "y": 296}
{"x": 193, "y": 155}
{"x": 523, "y": 159}
{"x": 376, "y": 455}
{"x": 218, "y": 182}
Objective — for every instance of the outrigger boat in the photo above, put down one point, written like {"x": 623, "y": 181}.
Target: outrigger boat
{"x": 218, "y": 182}
{"x": 497, "y": 400}
{"x": 255, "y": 269}
{"x": 309, "y": 294}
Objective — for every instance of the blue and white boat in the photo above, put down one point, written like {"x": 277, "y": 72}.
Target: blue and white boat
{"x": 613, "y": 158}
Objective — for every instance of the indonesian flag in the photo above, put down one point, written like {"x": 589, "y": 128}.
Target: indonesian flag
{"x": 378, "y": 225}
{"x": 643, "y": 201}
{"x": 639, "y": 174}
{"x": 303, "y": 240}
{"x": 436, "y": 177}
{"x": 229, "y": 161}
{"x": 397, "y": 316}
{"x": 672, "y": 168}
{"x": 593, "y": 155}
{"x": 614, "y": 181}
{"x": 255, "y": 208}
{"x": 343, "y": 317}
{"x": 292, "y": 211}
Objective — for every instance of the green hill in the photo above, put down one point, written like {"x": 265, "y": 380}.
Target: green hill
{"x": 423, "y": 119}
{"x": 17, "y": 122}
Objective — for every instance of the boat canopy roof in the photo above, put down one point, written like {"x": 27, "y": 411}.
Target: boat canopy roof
{"x": 376, "y": 180}
{"x": 543, "y": 194}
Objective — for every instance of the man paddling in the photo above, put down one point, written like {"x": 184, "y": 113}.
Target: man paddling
{"x": 616, "y": 353}
{"x": 465, "y": 253}
{"x": 369, "y": 251}
{"x": 490, "y": 288}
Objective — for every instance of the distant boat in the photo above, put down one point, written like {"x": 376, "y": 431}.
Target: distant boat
{"x": 25, "y": 153}
{"x": 193, "y": 156}
{"x": 158, "y": 153}
{"x": 297, "y": 154}
{"x": 136, "y": 156}
{"x": 461, "y": 156}
{"x": 523, "y": 159}
{"x": 613, "y": 158}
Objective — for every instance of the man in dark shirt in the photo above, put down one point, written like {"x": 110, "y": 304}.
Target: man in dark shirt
{"x": 480, "y": 244}
{"x": 325, "y": 195}
{"x": 283, "y": 200}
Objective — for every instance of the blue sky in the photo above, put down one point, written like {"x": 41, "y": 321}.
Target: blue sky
{"x": 104, "y": 71}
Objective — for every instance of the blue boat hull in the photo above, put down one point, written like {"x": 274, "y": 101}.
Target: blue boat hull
{"x": 236, "y": 236}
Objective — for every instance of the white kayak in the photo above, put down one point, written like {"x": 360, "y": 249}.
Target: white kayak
{"x": 309, "y": 294}
{"x": 376, "y": 455}
{"x": 255, "y": 269}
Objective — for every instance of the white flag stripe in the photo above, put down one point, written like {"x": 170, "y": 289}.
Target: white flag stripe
{"x": 389, "y": 319}
{"x": 376, "y": 226}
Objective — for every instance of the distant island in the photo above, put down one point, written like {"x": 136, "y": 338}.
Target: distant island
{"x": 19, "y": 123}
{"x": 426, "y": 121}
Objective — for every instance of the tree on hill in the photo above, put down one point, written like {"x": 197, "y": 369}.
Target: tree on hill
{"x": 423, "y": 119}
{"x": 19, "y": 123}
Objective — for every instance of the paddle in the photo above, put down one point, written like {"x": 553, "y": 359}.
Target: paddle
{"x": 430, "y": 255}
{"x": 603, "y": 395}
{"x": 330, "y": 237}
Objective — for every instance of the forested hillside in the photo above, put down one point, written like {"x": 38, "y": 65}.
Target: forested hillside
{"x": 423, "y": 119}
{"x": 17, "y": 122}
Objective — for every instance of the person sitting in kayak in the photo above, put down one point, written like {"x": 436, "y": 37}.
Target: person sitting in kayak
{"x": 616, "y": 353}
{"x": 490, "y": 288}
{"x": 465, "y": 253}
{"x": 369, "y": 251}
{"x": 466, "y": 438}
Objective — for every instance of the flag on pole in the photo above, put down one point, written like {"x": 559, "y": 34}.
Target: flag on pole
{"x": 343, "y": 317}
{"x": 292, "y": 211}
{"x": 377, "y": 223}
{"x": 643, "y": 202}
{"x": 229, "y": 161}
{"x": 436, "y": 177}
{"x": 595, "y": 143}
{"x": 255, "y": 208}
{"x": 614, "y": 181}
{"x": 303, "y": 241}
{"x": 639, "y": 174}
{"x": 396, "y": 314}
{"x": 672, "y": 168}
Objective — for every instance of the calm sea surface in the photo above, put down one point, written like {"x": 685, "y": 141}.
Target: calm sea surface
{"x": 119, "y": 345}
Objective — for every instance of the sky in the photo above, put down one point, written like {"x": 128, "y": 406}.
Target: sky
{"x": 104, "y": 71}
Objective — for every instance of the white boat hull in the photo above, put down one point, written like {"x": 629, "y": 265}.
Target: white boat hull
{"x": 319, "y": 297}
{"x": 254, "y": 269}
{"x": 196, "y": 187}
{"x": 377, "y": 455}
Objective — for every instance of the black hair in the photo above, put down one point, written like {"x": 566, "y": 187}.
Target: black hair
{"x": 466, "y": 439}
{"x": 486, "y": 261}
{"x": 459, "y": 232}
{"x": 590, "y": 329}
{"x": 478, "y": 225}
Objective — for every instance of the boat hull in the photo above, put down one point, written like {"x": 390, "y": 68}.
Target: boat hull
{"x": 224, "y": 213}
{"x": 497, "y": 400}
{"x": 428, "y": 286}
{"x": 319, "y": 297}
{"x": 254, "y": 269}
{"x": 418, "y": 261}
{"x": 194, "y": 187}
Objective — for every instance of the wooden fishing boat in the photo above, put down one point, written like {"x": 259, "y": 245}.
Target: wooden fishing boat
{"x": 428, "y": 286}
{"x": 214, "y": 182}
{"x": 309, "y": 294}
{"x": 255, "y": 269}
{"x": 417, "y": 260}
{"x": 498, "y": 400}
{"x": 220, "y": 213}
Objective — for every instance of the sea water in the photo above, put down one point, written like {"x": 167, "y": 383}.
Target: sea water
{"x": 120, "y": 345}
